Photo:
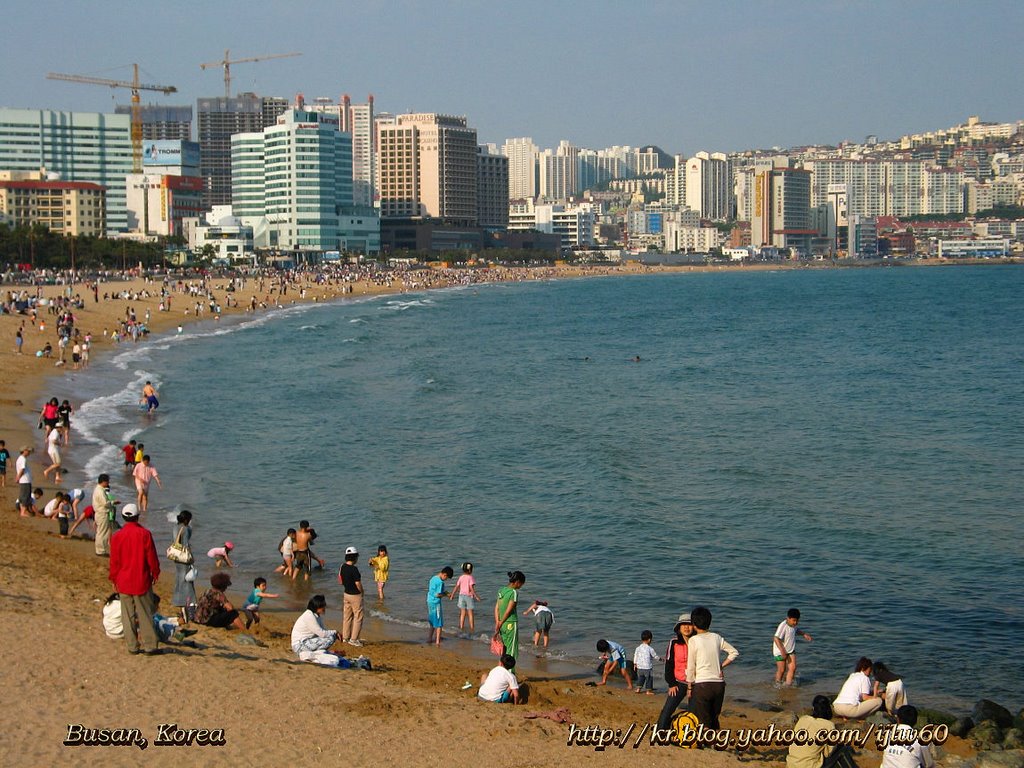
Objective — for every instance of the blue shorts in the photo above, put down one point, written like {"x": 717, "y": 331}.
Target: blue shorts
{"x": 434, "y": 615}
{"x": 505, "y": 698}
{"x": 618, "y": 658}
{"x": 467, "y": 602}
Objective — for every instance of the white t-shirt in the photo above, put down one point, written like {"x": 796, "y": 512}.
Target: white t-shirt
{"x": 704, "y": 657}
{"x": 907, "y": 755}
{"x": 498, "y": 681}
{"x": 21, "y": 465}
{"x": 288, "y": 547}
{"x": 787, "y": 635}
{"x": 307, "y": 625}
{"x": 856, "y": 684}
{"x": 51, "y": 507}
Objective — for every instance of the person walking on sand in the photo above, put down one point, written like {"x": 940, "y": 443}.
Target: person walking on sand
{"x": 352, "y": 607}
{"x": 144, "y": 474}
{"x": 149, "y": 397}
{"x": 53, "y": 451}
{"x": 134, "y": 569}
{"x": 105, "y": 514}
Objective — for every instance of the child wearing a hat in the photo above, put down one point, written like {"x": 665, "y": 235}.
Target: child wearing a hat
{"x": 219, "y": 555}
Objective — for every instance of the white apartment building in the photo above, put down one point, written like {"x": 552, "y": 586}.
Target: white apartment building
{"x": 428, "y": 168}
{"x": 522, "y": 156}
{"x": 682, "y": 239}
{"x": 889, "y": 187}
{"x": 558, "y": 171}
{"x": 708, "y": 188}
{"x": 574, "y": 224}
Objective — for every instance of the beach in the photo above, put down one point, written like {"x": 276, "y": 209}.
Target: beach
{"x": 270, "y": 707}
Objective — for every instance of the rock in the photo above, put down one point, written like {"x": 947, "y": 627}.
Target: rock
{"x": 955, "y": 761}
{"x": 1009, "y": 759}
{"x": 783, "y": 720}
{"x": 961, "y": 727}
{"x": 987, "y": 735}
{"x": 1013, "y": 739}
{"x": 934, "y": 716}
{"x": 989, "y": 710}
{"x": 763, "y": 707}
{"x": 243, "y": 639}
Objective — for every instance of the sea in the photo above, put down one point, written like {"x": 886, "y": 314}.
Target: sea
{"x": 847, "y": 442}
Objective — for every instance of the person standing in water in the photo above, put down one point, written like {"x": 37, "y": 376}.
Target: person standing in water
{"x": 149, "y": 397}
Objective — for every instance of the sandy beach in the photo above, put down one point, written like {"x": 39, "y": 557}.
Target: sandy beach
{"x": 271, "y": 708}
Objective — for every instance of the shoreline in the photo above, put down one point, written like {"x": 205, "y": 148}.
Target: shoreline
{"x": 421, "y": 674}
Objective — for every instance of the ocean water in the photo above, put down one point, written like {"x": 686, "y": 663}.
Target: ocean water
{"x": 848, "y": 442}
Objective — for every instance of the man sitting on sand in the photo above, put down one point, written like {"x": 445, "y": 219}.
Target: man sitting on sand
{"x": 500, "y": 686}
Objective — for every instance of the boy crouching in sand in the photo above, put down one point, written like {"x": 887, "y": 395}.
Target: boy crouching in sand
{"x": 615, "y": 657}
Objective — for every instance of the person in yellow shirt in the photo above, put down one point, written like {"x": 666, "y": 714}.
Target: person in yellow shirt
{"x": 380, "y": 564}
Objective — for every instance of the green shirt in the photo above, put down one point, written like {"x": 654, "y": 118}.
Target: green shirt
{"x": 507, "y": 595}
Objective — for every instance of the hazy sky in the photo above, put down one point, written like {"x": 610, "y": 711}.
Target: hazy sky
{"x": 718, "y": 75}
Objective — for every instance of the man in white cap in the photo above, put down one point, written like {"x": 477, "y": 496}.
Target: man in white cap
{"x": 134, "y": 569}
{"x": 352, "y": 608}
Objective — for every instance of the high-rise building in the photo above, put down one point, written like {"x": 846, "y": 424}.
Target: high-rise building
{"x": 357, "y": 120}
{"x": 77, "y": 146}
{"x": 170, "y": 123}
{"x": 492, "y": 190}
{"x": 522, "y": 167}
{"x": 558, "y": 172}
{"x": 306, "y": 179}
{"x": 428, "y": 168}
{"x": 219, "y": 118}
{"x": 708, "y": 188}
{"x": 782, "y": 210}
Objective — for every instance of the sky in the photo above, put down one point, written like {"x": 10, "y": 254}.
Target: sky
{"x": 720, "y": 75}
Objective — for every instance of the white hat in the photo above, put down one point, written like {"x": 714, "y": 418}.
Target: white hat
{"x": 351, "y": 551}
{"x": 130, "y": 512}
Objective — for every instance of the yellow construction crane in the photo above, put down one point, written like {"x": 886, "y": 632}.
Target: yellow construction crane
{"x": 227, "y": 61}
{"x": 136, "y": 86}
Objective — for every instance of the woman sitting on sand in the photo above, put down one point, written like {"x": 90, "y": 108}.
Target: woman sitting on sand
{"x": 311, "y": 640}
{"x": 214, "y": 609}
{"x": 814, "y": 755}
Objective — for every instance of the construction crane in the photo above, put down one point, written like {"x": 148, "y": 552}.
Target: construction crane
{"x": 135, "y": 86}
{"x": 227, "y": 61}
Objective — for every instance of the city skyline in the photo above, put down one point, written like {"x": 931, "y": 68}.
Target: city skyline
{"x": 683, "y": 76}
